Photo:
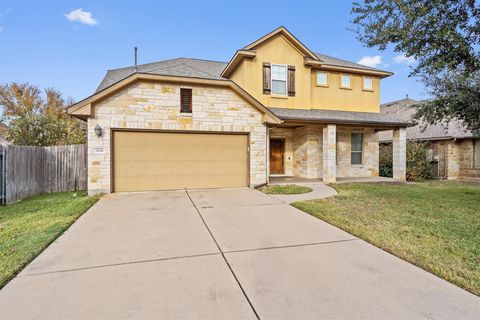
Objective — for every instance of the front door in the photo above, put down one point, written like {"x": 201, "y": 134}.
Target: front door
{"x": 277, "y": 149}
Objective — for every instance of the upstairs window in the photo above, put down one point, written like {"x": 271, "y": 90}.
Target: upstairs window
{"x": 279, "y": 79}
{"x": 185, "y": 100}
{"x": 345, "y": 81}
{"x": 357, "y": 148}
{"x": 322, "y": 78}
{"x": 367, "y": 83}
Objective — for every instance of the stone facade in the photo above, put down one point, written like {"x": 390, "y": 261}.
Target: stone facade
{"x": 304, "y": 154}
{"x": 308, "y": 151}
{"x": 148, "y": 105}
{"x": 370, "y": 155}
{"x": 330, "y": 153}
{"x": 399, "y": 149}
{"x": 461, "y": 160}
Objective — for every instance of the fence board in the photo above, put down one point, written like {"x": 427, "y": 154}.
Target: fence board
{"x": 33, "y": 170}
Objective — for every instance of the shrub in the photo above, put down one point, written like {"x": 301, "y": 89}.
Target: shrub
{"x": 418, "y": 167}
{"x": 386, "y": 160}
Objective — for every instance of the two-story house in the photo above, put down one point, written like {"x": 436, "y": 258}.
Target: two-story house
{"x": 276, "y": 108}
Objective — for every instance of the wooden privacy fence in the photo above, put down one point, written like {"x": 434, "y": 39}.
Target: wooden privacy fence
{"x": 27, "y": 171}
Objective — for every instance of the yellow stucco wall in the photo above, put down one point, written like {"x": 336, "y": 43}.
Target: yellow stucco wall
{"x": 308, "y": 95}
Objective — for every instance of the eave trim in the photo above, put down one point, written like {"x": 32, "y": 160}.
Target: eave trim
{"x": 320, "y": 65}
{"x": 235, "y": 61}
{"x": 287, "y": 120}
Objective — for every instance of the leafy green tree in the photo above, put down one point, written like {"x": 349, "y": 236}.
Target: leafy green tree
{"x": 443, "y": 36}
{"x": 30, "y": 119}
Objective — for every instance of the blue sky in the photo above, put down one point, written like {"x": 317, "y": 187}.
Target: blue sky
{"x": 54, "y": 44}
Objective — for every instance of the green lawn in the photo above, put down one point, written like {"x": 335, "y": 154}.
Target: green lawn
{"x": 29, "y": 226}
{"x": 434, "y": 225}
{"x": 285, "y": 189}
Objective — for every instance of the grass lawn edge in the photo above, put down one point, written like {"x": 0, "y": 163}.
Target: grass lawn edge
{"x": 389, "y": 249}
{"x": 5, "y": 281}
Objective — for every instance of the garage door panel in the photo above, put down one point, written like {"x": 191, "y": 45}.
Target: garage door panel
{"x": 162, "y": 161}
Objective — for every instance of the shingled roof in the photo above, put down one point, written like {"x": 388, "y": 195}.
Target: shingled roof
{"x": 182, "y": 67}
{"x": 331, "y": 61}
{"x": 405, "y": 109}
{"x": 333, "y": 116}
{"x": 198, "y": 68}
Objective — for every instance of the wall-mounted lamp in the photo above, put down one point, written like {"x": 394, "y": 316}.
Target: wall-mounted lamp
{"x": 98, "y": 130}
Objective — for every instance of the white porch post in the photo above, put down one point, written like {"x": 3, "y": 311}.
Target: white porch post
{"x": 329, "y": 153}
{"x": 399, "y": 147}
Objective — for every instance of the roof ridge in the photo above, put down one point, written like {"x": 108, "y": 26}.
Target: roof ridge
{"x": 167, "y": 60}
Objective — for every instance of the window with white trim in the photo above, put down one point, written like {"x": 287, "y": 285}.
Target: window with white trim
{"x": 322, "y": 78}
{"x": 357, "y": 148}
{"x": 346, "y": 81}
{"x": 279, "y": 79}
{"x": 368, "y": 83}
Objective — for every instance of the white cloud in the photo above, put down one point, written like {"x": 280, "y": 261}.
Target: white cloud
{"x": 402, "y": 58}
{"x": 81, "y": 16}
{"x": 1, "y": 29}
{"x": 371, "y": 61}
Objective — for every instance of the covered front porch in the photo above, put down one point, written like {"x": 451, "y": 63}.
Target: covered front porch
{"x": 332, "y": 152}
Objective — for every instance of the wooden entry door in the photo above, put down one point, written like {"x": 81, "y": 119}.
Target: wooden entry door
{"x": 277, "y": 150}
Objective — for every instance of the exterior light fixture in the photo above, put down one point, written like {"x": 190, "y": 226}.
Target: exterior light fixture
{"x": 98, "y": 130}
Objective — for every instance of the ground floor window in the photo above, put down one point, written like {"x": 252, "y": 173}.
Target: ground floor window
{"x": 357, "y": 148}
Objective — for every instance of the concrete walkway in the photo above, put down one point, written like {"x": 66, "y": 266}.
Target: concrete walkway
{"x": 319, "y": 191}
{"x": 216, "y": 254}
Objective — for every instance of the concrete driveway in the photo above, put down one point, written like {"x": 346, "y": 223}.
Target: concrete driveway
{"x": 231, "y": 253}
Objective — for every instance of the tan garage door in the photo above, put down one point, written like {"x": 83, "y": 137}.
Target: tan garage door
{"x": 162, "y": 161}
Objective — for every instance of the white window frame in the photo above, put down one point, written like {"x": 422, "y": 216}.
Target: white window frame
{"x": 326, "y": 78}
{"x": 286, "y": 79}
{"x": 341, "y": 82}
{"x": 364, "y": 87}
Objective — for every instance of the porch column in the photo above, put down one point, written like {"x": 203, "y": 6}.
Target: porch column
{"x": 329, "y": 153}
{"x": 399, "y": 147}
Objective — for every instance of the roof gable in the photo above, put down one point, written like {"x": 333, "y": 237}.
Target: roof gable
{"x": 289, "y": 36}
{"x": 84, "y": 109}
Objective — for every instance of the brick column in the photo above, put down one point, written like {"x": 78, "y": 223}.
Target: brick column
{"x": 329, "y": 153}
{"x": 399, "y": 154}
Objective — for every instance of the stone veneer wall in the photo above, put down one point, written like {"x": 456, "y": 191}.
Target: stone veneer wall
{"x": 305, "y": 144}
{"x": 148, "y": 105}
{"x": 369, "y": 167}
{"x": 460, "y": 160}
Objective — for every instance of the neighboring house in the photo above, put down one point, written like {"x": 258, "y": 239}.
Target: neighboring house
{"x": 275, "y": 108}
{"x": 453, "y": 151}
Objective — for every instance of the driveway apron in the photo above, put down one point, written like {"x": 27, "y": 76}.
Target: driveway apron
{"x": 222, "y": 253}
